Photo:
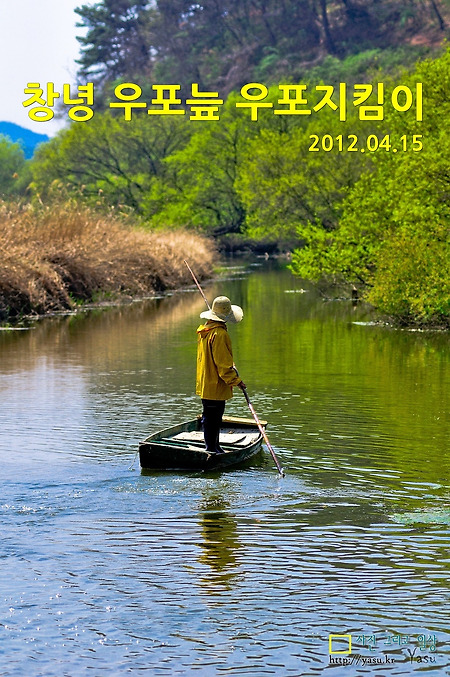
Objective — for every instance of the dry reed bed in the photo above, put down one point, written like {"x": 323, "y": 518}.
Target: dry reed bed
{"x": 51, "y": 258}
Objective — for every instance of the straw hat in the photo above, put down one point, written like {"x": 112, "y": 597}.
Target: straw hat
{"x": 223, "y": 311}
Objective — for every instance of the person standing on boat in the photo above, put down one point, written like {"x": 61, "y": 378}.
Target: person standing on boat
{"x": 216, "y": 373}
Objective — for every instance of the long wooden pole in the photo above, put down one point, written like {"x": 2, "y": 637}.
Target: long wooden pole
{"x": 250, "y": 405}
{"x": 198, "y": 285}
{"x": 263, "y": 432}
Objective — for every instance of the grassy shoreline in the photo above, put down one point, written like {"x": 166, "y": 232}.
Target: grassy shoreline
{"x": 56, "y": 258}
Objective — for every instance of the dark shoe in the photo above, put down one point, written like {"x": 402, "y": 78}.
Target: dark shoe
{"x": 216, "y": 452}
{"x": 219, "y": 450}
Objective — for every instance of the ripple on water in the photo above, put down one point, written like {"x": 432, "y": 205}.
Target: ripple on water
{"x": 105, "y": 570}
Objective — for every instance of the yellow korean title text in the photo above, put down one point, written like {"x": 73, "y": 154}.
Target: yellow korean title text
{"x": 370, "y": 100}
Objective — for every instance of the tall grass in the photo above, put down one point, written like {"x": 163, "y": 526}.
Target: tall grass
{"x": 51, "y": 258}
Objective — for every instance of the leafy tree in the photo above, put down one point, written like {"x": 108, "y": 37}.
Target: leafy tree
{"x": 109, "y": 160}
{"x": 199, "y": 186}
{"x": 116, "y": 44}
{"x": 393, "y": 234}
{"x": 14, "y": 173}
{"x": 287, "y": 188}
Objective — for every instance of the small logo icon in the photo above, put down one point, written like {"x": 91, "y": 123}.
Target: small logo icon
{"x": 340, "y": 644}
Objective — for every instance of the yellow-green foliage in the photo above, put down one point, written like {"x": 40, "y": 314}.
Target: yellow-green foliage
{"x": 53, "y": 257}
{"x": 413, "y": 280}
{"x": 393, "y": 234}
{"x": 344, "y": 212}
{"x": 14, "y": 171}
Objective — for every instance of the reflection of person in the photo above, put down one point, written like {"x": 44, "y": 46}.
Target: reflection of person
{"x": 219, "y": 544}
{"x": 216, "y": 374}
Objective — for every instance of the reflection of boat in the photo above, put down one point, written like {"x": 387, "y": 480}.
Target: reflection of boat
{"x": 183, "y": 446}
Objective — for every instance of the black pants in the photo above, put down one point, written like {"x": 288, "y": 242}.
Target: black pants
{"x": 212, "y": 420}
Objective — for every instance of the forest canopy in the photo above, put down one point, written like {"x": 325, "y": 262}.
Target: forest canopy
{"x": 359, "y": 199}
{"x": 221, "y": 44}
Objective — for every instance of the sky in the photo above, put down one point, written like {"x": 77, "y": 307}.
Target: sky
{"x": 37, "y": 44}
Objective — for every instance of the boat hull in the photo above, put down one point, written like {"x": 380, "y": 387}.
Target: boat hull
{"x": 182, "y": 446}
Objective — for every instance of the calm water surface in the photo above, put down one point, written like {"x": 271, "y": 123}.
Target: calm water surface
{"x": 107, "y": 571}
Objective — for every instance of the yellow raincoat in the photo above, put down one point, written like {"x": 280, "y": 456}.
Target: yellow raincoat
{"x": 215, "y": 372}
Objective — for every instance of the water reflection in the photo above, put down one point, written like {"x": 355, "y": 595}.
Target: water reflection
{"x": 219, "y": 543}
{"x": 98, "y": 337}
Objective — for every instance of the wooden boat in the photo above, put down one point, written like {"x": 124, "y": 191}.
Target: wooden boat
{"x": 183, "y": 446}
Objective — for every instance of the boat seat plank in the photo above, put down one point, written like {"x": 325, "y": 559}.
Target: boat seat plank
{"x": 197, "y": 436}
{"x": 247, "y": 439}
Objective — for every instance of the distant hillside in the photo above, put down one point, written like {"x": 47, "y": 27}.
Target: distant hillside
{"x": 28, "y": 139}
{"x": 223, "y": 45}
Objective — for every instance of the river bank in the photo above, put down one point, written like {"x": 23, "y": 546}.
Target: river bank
{"x": 57, "y": 258}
